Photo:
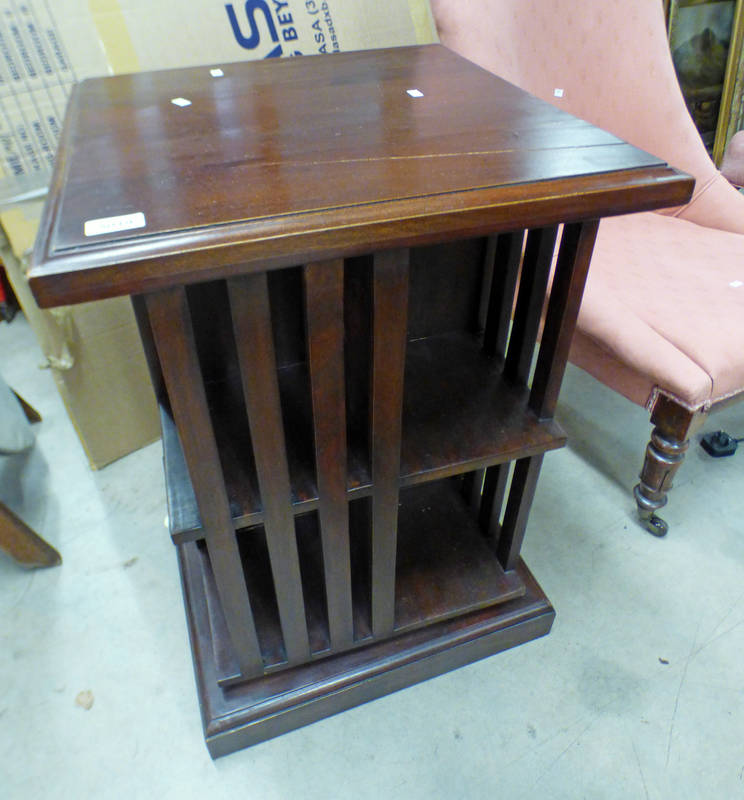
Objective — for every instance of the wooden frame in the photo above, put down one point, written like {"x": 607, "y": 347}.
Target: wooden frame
{"x": 733, "y": 98}
{"x": 708, "y": 66}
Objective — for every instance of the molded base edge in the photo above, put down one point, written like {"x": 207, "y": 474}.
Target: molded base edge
{"x": 259, "y": 709}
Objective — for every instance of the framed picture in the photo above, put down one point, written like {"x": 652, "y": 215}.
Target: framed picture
{"x": 705, "y": 37}
{"x": 734, "y": 120}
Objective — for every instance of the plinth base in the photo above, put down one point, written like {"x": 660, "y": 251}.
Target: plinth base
{"x": 247, "y": 713}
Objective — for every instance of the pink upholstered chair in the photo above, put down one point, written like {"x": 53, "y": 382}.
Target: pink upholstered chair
{"x": 662, "y": 321}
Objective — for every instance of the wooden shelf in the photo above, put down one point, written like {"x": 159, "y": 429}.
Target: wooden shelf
{"x": 444, "y": 568}
{"x": 459, "y": 414}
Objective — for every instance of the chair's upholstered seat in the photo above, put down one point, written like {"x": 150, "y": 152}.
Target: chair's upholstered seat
{"x": 664, "y": 309}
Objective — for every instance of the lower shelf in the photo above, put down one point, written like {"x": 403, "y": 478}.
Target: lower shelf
{"x": 444, "y": 568}
{"x": 247, "y": 713}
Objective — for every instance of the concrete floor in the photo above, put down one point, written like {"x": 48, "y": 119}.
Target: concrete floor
{"x": 636, "y": 693}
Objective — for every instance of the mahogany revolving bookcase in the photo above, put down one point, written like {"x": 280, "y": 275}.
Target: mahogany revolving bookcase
{"x": 339, "y": 266}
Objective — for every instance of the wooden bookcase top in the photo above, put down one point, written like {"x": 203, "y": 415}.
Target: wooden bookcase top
{"x": 289, "y": 161}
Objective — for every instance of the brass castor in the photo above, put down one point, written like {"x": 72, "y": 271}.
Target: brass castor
{"x": 646, "y": 508}
{"x": 653, "y": 524}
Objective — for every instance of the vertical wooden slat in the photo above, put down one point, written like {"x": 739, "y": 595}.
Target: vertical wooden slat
{"x": 324, "y": 301}
{"x": 170, "y": 322}
{"x": 521, "y": 494}
{"x": 249, "y": 305}
{"x": 492, "y": 499}
{"x": 571, "y": 271}
{"x": 472, "y": 485}
{"x": 139, "y": 306}
{"x": 486, "y": 280}
{"x": 390, "y": 302}
{"x": 507, "y": 256}
{"x": 533, "y": 283}
{"x": 501, "y": 272}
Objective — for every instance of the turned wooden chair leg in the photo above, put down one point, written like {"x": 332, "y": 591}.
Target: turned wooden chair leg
{"x": 663, "y": 458}
{"x": 664, "y": 455}
{"x": 24, "y": 545}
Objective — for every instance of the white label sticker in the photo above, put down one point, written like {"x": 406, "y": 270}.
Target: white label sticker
{"x": 558, "y": 92}
{"x": 124, "y": 222}
{"x": 216, "y": 73}
{"x": 414, "y": 92}
{"x": 736, "y": 284}
{"x": 181, "y": 102}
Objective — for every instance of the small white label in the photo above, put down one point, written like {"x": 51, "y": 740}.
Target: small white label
{"x": 414, "y": 92}
{"x": 124, "y": 222}
{"x": 216, "y": 73}
{"x": 558, "y": 92}
{"x": 181, "y": 102}
{"x": 736, "y": 284}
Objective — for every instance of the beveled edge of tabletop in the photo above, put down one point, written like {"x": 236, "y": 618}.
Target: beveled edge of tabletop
{"x": 162, "y": 260}
{"x": 147, "y": 262}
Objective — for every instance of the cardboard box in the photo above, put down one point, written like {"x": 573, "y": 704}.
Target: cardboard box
{"x": 94, "y": 352}
{"x": 94, "y": 348}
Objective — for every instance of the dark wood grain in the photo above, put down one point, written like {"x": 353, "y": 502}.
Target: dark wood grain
{"x": 241, "y": 132}
{"x": 390, "y": 301}
{"x": 460, "y": 413}
{"x": 492, "y": 500}
{"x": 572, "y": 267}
{"x": 251, "y": 315}
{"x": 486, "y": 278}
{"x": 505, "y": 273}
{"x": 171, "y": 327}
{"x": 256, "y": 563}
{"x": 277, "y": 242}
{"x": 357, "y": 360}
{"x": 239, "y": 464}
{"x": 444, "y": 566}
{"x": 472, "y": 487}
{"x": 139, "y": 307}
{"x": 521, "y": 494}
{"x": 287, "y": 300}
{"x": 670, "y": 439}
{"x": 324, "y": 291}
{"x": 444, "y": 288}
{"x": 533, "y": 282}
{"x": 264, "y": 191}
